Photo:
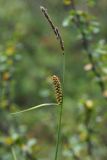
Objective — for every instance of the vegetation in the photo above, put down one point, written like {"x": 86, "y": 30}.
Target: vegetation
{"x": 53, "y": 80}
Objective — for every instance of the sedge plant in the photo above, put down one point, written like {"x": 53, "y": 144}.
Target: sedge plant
{"x": 58, "y": 86}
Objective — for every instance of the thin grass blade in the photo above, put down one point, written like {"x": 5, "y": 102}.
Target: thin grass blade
{"x": 35, "y": 107}
{"x": 13, "y": 154}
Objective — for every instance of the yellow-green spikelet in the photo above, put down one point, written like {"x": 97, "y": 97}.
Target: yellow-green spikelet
{"x": 58, "y": 89}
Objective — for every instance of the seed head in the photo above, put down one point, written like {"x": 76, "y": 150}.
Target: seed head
{"x": 58, "y": 89}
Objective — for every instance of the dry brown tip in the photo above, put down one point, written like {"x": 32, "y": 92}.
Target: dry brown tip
{"x": 54, "y": 28}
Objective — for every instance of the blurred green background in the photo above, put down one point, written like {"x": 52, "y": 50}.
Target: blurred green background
{"x": 29, "y": 56}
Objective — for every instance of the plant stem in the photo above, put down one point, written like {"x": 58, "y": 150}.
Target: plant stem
{"x": 13, "y": 153}
{"x": 59, "y": 131}
{"x": 61, "y": 109}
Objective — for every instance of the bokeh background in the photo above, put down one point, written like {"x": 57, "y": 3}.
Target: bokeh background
{"x": 29, "y": 56}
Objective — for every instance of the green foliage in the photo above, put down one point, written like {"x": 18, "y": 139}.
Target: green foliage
{"x": 29, "y": 56}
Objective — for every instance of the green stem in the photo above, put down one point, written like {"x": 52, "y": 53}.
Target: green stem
{"x": 13, "y": 153}
{"x": 59, "y": 132}
{"x": 61, "y": 110}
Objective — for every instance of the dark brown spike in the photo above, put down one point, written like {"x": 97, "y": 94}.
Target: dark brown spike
{"x": 54, "y": 28}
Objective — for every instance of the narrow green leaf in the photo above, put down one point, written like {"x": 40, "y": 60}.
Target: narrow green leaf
{"x": 35, "y": 107}
{"x": 13, "y": 153}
